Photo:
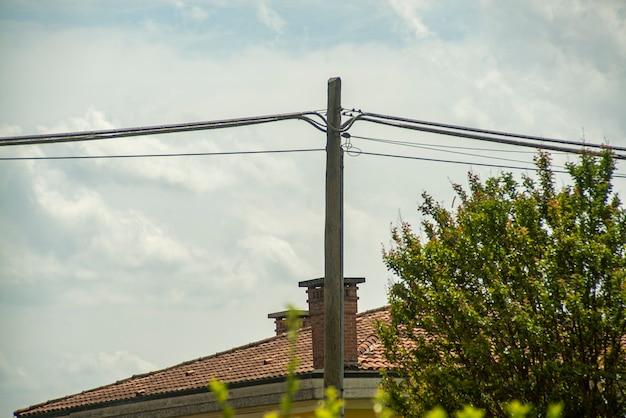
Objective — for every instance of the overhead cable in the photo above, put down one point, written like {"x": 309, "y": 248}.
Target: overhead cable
{"x": 497, "y": 139}
{"x": 437, "y": 148}
{"x": 401, "y": 121}
{"x": 318, "y": 121}
{"x": 308, "y": 117}
{"x": 409, "y": 157}
{"x": 448, "y": 149}
{"x": 190, "y": 154}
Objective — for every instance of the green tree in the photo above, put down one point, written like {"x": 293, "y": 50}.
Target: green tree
{"x": 518, "y": 293}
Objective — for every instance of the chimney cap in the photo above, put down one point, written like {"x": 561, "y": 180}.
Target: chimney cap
{"x": 319, "y": 282}
{"x": 283, "y": 314}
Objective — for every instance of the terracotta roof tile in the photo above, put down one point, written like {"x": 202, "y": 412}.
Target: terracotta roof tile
{"x": 255, "y": 361}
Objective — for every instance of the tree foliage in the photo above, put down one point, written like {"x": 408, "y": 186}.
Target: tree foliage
{"x": 518, "y": 293}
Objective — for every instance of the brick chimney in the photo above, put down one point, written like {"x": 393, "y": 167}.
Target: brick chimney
{"x": 280, "y": 320}
{"x": 315, "y": 291}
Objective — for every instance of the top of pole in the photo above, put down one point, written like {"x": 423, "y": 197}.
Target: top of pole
{"x": 334, "y": 110}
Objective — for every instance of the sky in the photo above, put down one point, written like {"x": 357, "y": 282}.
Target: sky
{"x": 114, "y": 267}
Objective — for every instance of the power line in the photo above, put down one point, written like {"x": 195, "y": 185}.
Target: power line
{"x": 190, "y": 154}
{"x": 437, "y": 148}
{"x": 308, "y": 117}
{"x": 476, "y": 134}
{"x": 437, "y": 160}
{"x": 446, "y": 148}
{"x": 402, "y": 122}
{"x": 500, "y": 140}
{"x": 318, "y": 121}
{"x": 409, "y": 157}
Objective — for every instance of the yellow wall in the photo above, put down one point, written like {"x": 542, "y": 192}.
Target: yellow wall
{"x": 348, "y": 413}
{"x": 303, "y": 409}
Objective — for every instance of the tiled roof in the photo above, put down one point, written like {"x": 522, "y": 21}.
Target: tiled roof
{"x": 256, "y": 361}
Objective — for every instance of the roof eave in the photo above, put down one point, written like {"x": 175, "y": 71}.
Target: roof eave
{"x": 358, "y": 384}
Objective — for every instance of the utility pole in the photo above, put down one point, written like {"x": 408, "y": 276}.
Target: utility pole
{"x": 333, "y": 243}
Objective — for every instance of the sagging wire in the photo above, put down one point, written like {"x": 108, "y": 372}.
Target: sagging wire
{"x": 439, "y": 148}
{"x": 490, "y": 132}
{"x": 183, "y": 154}
{"x": 317, "y": 125}
{"x": 509, "y": 167}
{"x": 476, "y": 134}
{"x": 320, "y": 122}
{"x": 308, "y": 117}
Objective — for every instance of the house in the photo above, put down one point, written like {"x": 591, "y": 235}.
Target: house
{"x": 255, "y": 373}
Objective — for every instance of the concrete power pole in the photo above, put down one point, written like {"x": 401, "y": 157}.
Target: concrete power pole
{"x": 333, "y": 244}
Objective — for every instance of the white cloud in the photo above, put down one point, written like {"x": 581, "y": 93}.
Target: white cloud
{"x": 92, "y": 121}
{"x": 124, "y": 238}
{"x": 15, "y": 384}
{"x": 409, "y": 11}
{"x": 10, "y": 130}
{"x": 14, "y": 376}
{"x": 101, "y": 296}
{"x": 178, "y": 172}
{"x": 270, "y": 18}
{"x": 154, "y": 27}
{"x": 191, "y": 12}
{"x": 266, "y": 251}
{"x": 197, "y": 13}
{"x": 119, "y": 363}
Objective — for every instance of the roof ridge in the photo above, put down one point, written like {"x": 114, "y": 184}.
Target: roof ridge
{"x": 202, "y": 358}
{"x": 374, "y": 310}
{"x": 228, "y": 351}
